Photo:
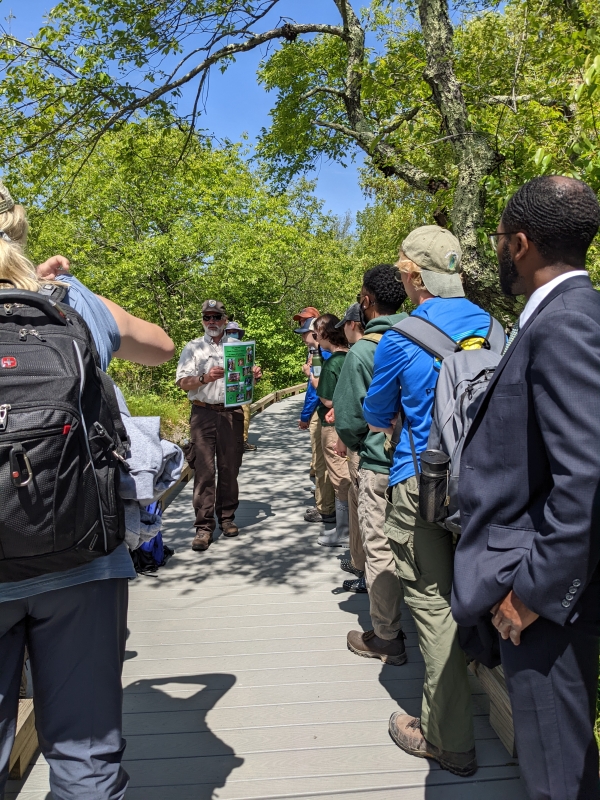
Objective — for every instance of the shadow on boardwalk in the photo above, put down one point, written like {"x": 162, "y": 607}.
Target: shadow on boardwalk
{"x": 169, "y": 743}
{"x": 270, "y": 472}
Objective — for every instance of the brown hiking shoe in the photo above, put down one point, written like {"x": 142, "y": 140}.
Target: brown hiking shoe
{"x": 229, "y": 528}
{"x": 202, "y": 540}
{"x": 369, "y": 645}
{"x": 407, "y": 734}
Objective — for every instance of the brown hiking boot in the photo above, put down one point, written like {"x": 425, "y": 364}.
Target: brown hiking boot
{"x": 407, "y": 734}
{"x": 202, "y": 540}
{"x": 229, "y": 528}
{"x": 369, "y": 645}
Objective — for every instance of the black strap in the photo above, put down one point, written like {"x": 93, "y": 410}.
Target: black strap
{"x": 56, "y": 292}
{"x": 113, "y": 407}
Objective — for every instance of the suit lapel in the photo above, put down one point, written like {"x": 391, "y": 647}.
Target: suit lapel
{"x": 579, "y": 282}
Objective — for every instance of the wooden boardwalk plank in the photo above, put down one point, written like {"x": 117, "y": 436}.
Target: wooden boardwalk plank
{"x": 238, "y": 684}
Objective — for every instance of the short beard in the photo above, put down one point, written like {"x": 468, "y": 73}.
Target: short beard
{"x": 508, "y": 273}
{"x": 212, "y": 335}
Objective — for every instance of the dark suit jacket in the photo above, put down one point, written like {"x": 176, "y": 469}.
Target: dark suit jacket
{"x": 530, "y": 471}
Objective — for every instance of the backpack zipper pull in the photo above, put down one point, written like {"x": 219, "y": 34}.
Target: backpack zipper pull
{"x": 8, "y": 307}
{"x": 25, "y": 332}
{"x": 4, "y": 409}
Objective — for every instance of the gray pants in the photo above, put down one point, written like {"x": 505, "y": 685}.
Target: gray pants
{"x": 76, "y": 641}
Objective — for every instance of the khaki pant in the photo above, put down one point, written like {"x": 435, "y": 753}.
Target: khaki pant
{"x": 357, "y": 553}
{"x": 246, "y": 421}
{"x": 337, "y": 467}
{"x": 324, "y": 496}
{"x": 385, "y": 588}
{"x": 424, "y": 556}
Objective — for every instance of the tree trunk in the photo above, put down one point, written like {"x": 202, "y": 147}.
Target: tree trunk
{"x": 474, "y": 159}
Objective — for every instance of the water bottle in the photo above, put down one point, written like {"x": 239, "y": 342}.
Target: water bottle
{"x": 433, "y": 487}
{"x": 317, "y": 363}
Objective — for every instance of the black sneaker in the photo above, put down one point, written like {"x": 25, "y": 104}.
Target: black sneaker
{"x": 249, "y": 447}
{"x": 348, "y": 566}
{"x": 359, "y": 586}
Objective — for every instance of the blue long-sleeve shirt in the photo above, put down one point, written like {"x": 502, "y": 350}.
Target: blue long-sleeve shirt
{"x": 311, "y": 401}
{"x": 405, "y": 374}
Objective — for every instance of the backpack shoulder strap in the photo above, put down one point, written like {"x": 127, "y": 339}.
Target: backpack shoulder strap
{"x": 54, "y": 292}
{"x": 373, "y": 337}
{"x": 113, "y": 406}
{"x": 426, "y": 335}
{"x": 496, "y": 336}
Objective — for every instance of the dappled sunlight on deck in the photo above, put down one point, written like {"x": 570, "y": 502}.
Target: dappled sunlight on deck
{"x": 238, "y": 684}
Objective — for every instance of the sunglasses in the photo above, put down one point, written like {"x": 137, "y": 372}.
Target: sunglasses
{"x": 212, "y": 317}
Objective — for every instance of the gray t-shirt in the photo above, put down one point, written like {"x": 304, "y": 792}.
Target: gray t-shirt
{"x": 117, "y": 564}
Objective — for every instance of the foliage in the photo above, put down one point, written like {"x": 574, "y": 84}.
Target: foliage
{"x": 451, "y": 121}
{"x": 174, "y": 413}
{"x": 159, "y": 236}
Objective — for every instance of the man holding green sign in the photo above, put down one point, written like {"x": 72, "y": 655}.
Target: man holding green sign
{"x": 218, "y": 373}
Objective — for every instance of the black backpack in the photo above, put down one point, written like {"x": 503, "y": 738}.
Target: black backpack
{"x": 61, "y": 441}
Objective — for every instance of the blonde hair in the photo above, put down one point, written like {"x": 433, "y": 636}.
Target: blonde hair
{"x": 409, "y": 267}
{"x": 15, "y": 268}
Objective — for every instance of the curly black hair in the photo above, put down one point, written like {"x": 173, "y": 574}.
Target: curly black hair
{"x": 383, "y": 283}
{"x": 560, "y": 215}
{"x": 325, "y": 324}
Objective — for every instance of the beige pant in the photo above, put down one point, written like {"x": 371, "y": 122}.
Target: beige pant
{"x": 357, "y": 553}
{"x": 337, "y": 467}
{"x": 324, "y": 496}
{"x": 246, "y": 421}
{"x": 385, "y": 590}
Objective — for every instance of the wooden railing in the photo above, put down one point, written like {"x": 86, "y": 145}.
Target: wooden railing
{"x": 275, "y": 397}
{"x": 255, "y": 408}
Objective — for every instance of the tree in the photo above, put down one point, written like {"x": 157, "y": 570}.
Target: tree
{"x": 426, "y": 105}
{"x": 160, "y": 236}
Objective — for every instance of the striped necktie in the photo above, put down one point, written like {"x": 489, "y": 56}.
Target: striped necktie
{"x": 512, "y": 337}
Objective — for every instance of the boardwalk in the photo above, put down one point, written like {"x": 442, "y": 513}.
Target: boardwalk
{"x": 238, "y": 683}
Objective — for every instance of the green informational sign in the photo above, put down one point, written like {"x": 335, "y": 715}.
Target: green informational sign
{"x": 238, "y": 361}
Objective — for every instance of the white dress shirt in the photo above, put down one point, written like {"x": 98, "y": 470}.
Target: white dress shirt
{"x": 196, "y": 358}
{"x": 543, "y": 292}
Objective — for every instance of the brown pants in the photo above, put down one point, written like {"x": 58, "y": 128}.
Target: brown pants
{"x": 337, "y": 467}
{"x": 324, "y": 497}
{"x": 220, "y": 434}
{"x": 357, "y": 553}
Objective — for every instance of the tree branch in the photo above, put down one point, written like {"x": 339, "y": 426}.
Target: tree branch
{"x": 325, "y": 89}
{"x": 398, "y": 120}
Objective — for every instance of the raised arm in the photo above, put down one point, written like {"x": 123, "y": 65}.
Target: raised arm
{"x": 142, "y": 342}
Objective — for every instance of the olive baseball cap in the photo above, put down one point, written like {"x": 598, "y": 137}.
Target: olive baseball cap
{"x": 213, "y": 305}
{"x": 438, "y": 253}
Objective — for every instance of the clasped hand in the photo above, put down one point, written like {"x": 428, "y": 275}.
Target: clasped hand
{"x": 511, "y": 616}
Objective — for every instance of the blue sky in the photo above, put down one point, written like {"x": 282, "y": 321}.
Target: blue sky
{"x": 236, "y": 104}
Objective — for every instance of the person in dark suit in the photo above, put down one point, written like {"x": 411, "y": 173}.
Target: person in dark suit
{"x": 530, "y": 490}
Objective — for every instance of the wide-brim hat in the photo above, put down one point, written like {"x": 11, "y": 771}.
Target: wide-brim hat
{"x": 438, "y": 252}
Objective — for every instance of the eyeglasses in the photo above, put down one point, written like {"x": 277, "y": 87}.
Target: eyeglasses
{"x": 493, "y": 237}
{"x": 212, "y": 317}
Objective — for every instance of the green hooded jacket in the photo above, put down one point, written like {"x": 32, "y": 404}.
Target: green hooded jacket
{"x": 352, "y": 387}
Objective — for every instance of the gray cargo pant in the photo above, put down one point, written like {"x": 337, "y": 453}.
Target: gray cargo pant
{"x": 76, "y": 641}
